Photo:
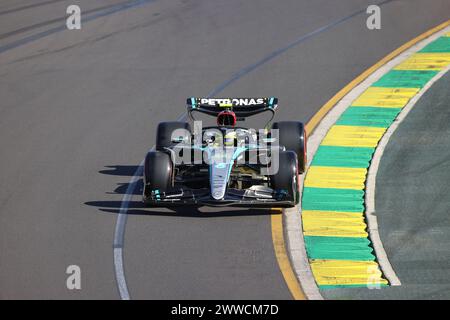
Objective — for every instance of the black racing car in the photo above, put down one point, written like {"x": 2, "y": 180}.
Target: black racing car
{"x": 226, "y": 164}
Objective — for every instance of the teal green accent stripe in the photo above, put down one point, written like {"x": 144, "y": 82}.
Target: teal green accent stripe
{"x": 441, "y": 44}
{"x": 339, "y": 248}
{"x": 332, "y": 156}
{"x": 326, "y": 287}
{"x": 368, "y": 116}
{"x": 405, "y": 79}
{"x": 328, "y": 199}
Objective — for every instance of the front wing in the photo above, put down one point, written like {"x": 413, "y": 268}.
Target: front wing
{"x": 253, "y": 197}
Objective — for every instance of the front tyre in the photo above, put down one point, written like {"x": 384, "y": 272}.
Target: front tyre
{"x": 169, "y": 130}
{"x": 158, "y": 172}
{"x": 286, "y": 178}
{"x": 292, "y": 136}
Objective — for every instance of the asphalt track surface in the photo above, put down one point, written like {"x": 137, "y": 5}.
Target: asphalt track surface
{"x": 412, "y": 202}
{"x": 79, "y": 110}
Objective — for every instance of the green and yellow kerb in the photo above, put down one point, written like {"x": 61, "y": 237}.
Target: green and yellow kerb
{"x": 337, "y": 243}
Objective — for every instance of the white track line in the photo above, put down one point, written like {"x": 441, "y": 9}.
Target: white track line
{"x": 121, "y": 222}
{"x": 293, "y": 222}
{"x": 119, "y": 234}
{"x": 371, "y": 183}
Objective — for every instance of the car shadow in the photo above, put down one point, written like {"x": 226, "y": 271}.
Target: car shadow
{"x": 137, "y": 207}
{"x": 120, "y": 170}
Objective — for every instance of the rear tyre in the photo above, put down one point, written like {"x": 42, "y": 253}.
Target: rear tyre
{"x": 292, "y": 136}
{"x": 173, "y": 129}
{"x": 158, "y": 172}
{"x": 286, "y": 178}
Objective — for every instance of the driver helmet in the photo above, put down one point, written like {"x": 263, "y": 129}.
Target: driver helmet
{"x": 226, "y": 118}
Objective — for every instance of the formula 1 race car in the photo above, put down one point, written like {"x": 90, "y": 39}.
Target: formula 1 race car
{"x": 226, "y": 164}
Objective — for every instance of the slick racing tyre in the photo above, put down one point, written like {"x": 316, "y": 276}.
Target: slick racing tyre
{"x": 167, "y": 131}
{"x": 286, "y": 178}
{"x": 158, "y": 172}
{"x": 292, "y": 136}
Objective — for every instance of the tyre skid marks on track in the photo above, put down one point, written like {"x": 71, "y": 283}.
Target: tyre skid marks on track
{"x": 30, "y": 6}
{"x": 95, "y": 14}
{"x": 62, "y": 19}
{"x": 250, "y": 68}
{"x": 343, "y": 260}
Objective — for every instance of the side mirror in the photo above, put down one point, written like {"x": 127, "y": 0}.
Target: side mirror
{"x": 269, "y": 140}
{"x": 180, "y": 139}
{"x": 181, "y": 136}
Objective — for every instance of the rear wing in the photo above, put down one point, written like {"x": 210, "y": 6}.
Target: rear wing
{"x": 242, "y": 107}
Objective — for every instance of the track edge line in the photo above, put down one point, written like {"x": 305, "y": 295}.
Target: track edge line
{"x": 317, "y": 128}
{"x": 370, "y": 212}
